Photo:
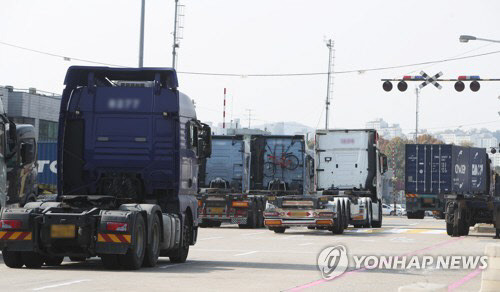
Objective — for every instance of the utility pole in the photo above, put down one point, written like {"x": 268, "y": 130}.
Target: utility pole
{"x": 179, "y": 14}
{"x": 249, "y": 116}
{"x": 417, "y": 93}
{"x": 141, "y": 37}
{"x": 224, "y": 111}
{"x": 329, "y": 85}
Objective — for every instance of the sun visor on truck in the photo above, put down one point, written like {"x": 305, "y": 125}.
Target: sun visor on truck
{"x": 79, "y": 75}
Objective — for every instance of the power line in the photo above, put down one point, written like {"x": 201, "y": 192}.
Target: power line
{"x": 361, "y": 70}
{"x": 65, "y": 58}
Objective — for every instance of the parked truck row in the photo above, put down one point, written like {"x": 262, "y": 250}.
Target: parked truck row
{"x": 243, "y": 171}
{"x": 349, "y": 169}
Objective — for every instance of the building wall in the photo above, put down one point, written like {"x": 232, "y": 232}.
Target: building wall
{"x": 33, "y": 108}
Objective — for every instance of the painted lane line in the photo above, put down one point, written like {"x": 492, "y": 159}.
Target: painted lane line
{"x": 419, "y": 251}
{"x": 264, "y": 251}
{"x": 464, "y": 280}
{"x": 246, "y": 253}
{"x": 209, "y": 238}
{"x": 60, "y": 285}
{"x": 307, "y": 243}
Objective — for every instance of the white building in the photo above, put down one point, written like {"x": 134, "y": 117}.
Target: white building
{"x": 384, "y": 129}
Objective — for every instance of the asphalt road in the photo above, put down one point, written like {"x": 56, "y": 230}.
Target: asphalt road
{"x": 228, "y": 258}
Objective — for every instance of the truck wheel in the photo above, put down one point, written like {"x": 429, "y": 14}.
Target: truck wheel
{"x": 134, "y": 257}
{"x": 153, "y": 247}
{"x": 420, "y": 214}
{"x": 311, "y": 227}
{"x": 457, "y": 224}
{"x": 338, "y": 225}
{"x": 260, "y": 215}
{"x": 279, "y": 229}
{"x": 53, "y": 260}
{"x": 369, "y": 217}
{"x": 180, "y": 255}
{"x": 378, "y": 224}
{"x": 12, "y": 259}
{"x": 32, "y": 260}
{"x": 216, "y": 224}
{"x": 449, "y": 229}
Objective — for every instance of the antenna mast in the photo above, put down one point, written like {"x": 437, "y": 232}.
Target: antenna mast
{"x": 329, "y": 86}
{"x": 178, "y": 30}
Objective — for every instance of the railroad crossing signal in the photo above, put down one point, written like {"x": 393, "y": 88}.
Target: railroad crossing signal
{"x": 459, "y": 82}
{"x": 430, "y": 80}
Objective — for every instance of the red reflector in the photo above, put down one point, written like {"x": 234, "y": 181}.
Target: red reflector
{"x": 11, "y": 224}
{"x": 116, "y": 226}
{"x": 406, "y": 77}
{"x": 462, "y": 77}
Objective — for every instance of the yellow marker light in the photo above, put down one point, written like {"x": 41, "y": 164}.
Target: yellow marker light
{"x": 324, "y": 222}
{"x": 239, "y": 204}
{"x": 272, "y": 222}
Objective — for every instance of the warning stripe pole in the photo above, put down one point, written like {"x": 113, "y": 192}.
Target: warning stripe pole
{"x": 224, "y": 111}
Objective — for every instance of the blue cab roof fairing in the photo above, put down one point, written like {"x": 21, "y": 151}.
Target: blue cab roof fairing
{"x": 78, "y": 75}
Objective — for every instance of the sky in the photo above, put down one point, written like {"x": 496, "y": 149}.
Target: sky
{"x": 271, "y": 36}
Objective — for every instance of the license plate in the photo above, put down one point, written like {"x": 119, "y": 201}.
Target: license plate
{"x": 62, "y": 231}
{"x": 216, "y": 210}
{"x": 428, "y": 200}
{"x": 298, "y": 214}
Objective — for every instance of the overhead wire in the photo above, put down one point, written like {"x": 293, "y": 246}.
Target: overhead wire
{"x": 360, "y": 70}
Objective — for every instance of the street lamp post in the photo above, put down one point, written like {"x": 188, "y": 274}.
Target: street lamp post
{"x": 467, "y": 38}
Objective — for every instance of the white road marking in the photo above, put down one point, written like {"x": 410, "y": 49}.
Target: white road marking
{"x": 209, "y": 238}
{"x": 61, "y": 284}
{"x": 254, "y": 233}
{"x": 437, "y": 231}
{"x": 173, "y": 265}
{"x": 246, "y": 253}
{"x": 292, "y": 236}
{"x": 264, "y": 251}
{"x": 307, "y": 243}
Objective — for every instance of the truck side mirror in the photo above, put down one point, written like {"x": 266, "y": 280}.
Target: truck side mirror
{"x": 204, "y": 141}
{"x": 12, "y": 132}
{"x": 27, "y": 153}
{"x": 385, "y": 166}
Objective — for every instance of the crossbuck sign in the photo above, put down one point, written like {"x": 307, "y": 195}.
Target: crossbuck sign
{"x": 430, "y": 80}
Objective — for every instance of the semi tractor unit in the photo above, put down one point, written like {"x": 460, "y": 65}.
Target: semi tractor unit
{"x": 128, "y": 150}
{"x": 349, "y": 169}
{"x": 464, "y": 177}
{"x": 244, "y": 170}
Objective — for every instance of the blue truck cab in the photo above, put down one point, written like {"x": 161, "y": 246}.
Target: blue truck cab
{"x": 127, "y": 162}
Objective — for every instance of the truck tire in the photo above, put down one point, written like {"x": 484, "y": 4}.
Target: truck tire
{"x": 449, "y": 229}
{"x": 32, "y": 260}
{"x": 260, "y": 215}
{"x": 420, "y": 214}
{"x": 311, "y": 227}
{"x": 12, "y": 259}
{"x": 134, "y": 257}
{"x": 53, "y": 260}
{"x": 369, "y": 217}
{"x": 338, "y": 225}
{"x": 378, "y": 224}
{"x": 180, "y": 255}
{"x": 216, "y": 224}
{"x": 279, "y": 229}
{"x": 153, "y": 246}
{"x": 251, "y": 219}
{"x": 458, "y": 224}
